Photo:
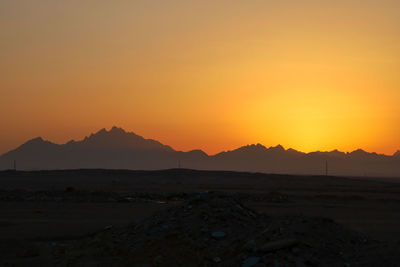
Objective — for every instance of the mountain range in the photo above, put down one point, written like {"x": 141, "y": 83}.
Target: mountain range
{"x": 118, "y": 149}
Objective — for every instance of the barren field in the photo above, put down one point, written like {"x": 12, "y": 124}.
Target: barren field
{"x": 196, "y": 218}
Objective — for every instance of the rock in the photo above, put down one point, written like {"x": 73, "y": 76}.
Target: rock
{"x": 218, "y": 235}
{"x": 203, "y": 231}
{"x": 108, "y": 227}
{"x": 158, "y": 260}
{"x": 251, "y": 261}
{"x": 277, "y": 245}
{"x": 295, "y": 251}
{"x": 217, "y": 259}
{"x": 268, "y": 258}
{"x": 250, "y": 245}
{"x": 265, "y": 230}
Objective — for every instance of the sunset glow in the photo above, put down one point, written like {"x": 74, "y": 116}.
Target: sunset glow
{"x": 210, "y": 75}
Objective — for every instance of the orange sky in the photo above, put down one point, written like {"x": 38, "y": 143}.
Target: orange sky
{"x": 214, "y": 75}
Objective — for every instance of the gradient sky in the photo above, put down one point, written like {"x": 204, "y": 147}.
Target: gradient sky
{"x": 214, "y": 75}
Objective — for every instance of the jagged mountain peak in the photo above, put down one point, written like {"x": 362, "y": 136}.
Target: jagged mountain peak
{"x": 336, "y": 152}
{"x": 359, "y": 151}
{"x": 294, "y": 151}
{"x": 116, "y": 129}
{"x": 277, "y": 148}
{"x": 252, "y": 147}
{"x": 35, "y": 140}
{"x": 113, "y": 131}
{"x": 117, "y": 137}
{"x": 116, "y": 148}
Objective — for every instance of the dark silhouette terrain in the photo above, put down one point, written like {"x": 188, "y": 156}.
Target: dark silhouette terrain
{"x": 117, "y": 149}
{"x": 182, "y": 217}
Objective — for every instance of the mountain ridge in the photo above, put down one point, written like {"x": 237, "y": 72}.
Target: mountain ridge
{"x": 254, "y": 146}
{"x": 117, "y": 148}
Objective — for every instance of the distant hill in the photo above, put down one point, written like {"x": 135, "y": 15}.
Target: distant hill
{"x": 118, "y": 149}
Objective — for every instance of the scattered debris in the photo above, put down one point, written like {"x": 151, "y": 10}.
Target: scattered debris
{"x": 249, "y": 262}
{"x": 217, "y": 259}
{"x": 279, "y": 244}
{"x": 218, "y": 235}
{"x": 207, "y": 228}
{"x": 108, "y": 227}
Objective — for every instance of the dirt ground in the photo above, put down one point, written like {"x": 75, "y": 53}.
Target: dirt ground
{"x": 41, "y": 210}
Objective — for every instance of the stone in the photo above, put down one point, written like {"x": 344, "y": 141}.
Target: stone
{"x": 295, "y": 251}
{"x": 217, "y": 259}
{"x": 218, "y": 235}
{"x": 250, "y": 245}
{"x": 251, "y": 261}
{"x": 158, "y": 260}
{"x": 108, "y": 227}
{"x": 279, "y": 244}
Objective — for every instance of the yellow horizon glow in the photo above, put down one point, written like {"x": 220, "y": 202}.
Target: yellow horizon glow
{"x": 210, "y": 75}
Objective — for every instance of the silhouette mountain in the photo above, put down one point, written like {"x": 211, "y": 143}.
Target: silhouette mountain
{"x": 117, "y": 138}
{"x": 118, "y": 149}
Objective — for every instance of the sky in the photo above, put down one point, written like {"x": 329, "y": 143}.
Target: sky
{"x": 210, "y": 74}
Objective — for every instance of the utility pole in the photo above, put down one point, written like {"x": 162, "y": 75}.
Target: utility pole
{"x": 326, "y": 167}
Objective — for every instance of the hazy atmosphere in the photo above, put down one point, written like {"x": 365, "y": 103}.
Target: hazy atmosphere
{"x": 209, "y": 133}
{"x": 210, "y": 75}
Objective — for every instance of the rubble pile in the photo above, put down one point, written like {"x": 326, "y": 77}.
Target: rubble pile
{"x": 212, "y": 229}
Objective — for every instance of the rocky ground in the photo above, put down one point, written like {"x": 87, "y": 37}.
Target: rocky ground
{"x": 204, "y": 228}
{"x": 216, "y": 229}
